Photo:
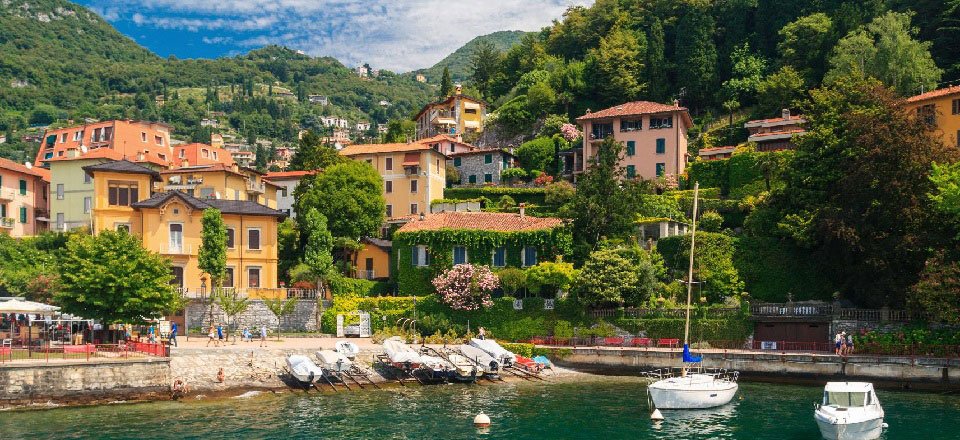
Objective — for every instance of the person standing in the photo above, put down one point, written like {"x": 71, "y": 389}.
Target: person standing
{"x": 173, "y": 334}
{"x": 219, "y": 333}
{"x": 263, "y": 335}
{"x": 211, "y": 335}
{"x": 850, "y": 343}
{"x": 838, "y": 343}
{"x": 151, "y": 334}
{"x": 481, "y": 333}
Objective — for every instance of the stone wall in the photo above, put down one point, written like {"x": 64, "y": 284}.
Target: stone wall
{"x": 82, "y": 382}
{"x": 303, "y": 318}
{"x": 473, "y": 164}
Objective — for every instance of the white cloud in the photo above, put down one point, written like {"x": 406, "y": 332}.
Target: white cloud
{"x": 399, "y": 35}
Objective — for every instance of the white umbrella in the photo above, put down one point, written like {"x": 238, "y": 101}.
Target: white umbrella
{"x": 27, "y": 307}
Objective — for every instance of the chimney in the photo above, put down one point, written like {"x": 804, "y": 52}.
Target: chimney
{"x": 785, "y": 113}
{"x": 459, "y": 137}
{"x": 676, "y": 103}
{"x": 523, "y": 210}
{"x": 29, "y": 165}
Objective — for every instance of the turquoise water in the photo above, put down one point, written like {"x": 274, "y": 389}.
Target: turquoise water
{"x": 605, "y": 409}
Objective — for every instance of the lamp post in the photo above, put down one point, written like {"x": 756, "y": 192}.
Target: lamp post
{"x": 203, "y": 296}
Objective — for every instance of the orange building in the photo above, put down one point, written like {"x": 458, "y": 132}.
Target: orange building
{"x": 940, "y": 108}
{"x": 24, "y": 199}
{"x": 123, "y": 136}
{"x": 200, "y": 154}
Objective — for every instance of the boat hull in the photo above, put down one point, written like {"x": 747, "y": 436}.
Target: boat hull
{"x": 865, "y": 430}
{"x": 707, "y": 396}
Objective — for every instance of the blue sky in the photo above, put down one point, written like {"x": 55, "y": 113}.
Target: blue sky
{"x": 399, "y": 35}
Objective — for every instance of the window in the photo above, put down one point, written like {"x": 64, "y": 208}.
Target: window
{"x": 122, "y": 227}
{"x": 471, "y": 111}
{"x": 231, "y": 238}
{"x": 631, "y": 124}
{"x": 205, "y": 152}
{"x": 283, "y": 191}
{"x": 389, "y": 211}
{"x": 122, "y": 193}
{"x": 459, "y": 255}
{"x": 414, "y": 208}
{"x": 661, "y": 169}
{"x": 414, "y": 185}
{"x": 500, "y": 257}
{"x": 955, "y": 105}
{"x": 97, "y": 132}
{"x": 87, "y": 204}
{"x": 253, "y": 277}
{"x": 388, "y": 164}
{"x": 158, "y": 140}
{"x": 457, "y": 161}
{"x": 253, "y": 239}
{"x": 420, "y": 256}
{"x": 23, "y": 187}
{"x": 206, "y": 193}
{"x": 388, "y": 186}
{"x": 488, "y": 178}
{"x": 600, "y": 131}
{"x": 631, "y": 171}
{"x": 59, "y": 191}
{"x": 529, "y": 256}
{"x": 177, "y": 272}
{"x": 107, "y": 134}
{"x": 927, "y": 114}
{"x": 60, "y": 221}
{"x": 23, "y": 214}
{"x": 176, "y": 237}
{"x": 87, "y": 179}
{"x": 3, "y": 211}
{"x": 228, "y": 277}
{"x": 631, "y": 148}
{"x": 661, "y": 145}
{"x": 661, "y": 122}
{"x": 143, "y": 136}
{"x": 63, "y": 138}
{"x": 473, "y": 179}
{"x": 487, "y": 158}
{"x": 77, "y": 135}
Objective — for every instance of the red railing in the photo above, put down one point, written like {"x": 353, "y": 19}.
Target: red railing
{"x": 83, "y": 352}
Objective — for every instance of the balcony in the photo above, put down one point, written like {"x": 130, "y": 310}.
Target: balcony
{"x": 366, "y": 274}
{"x": 443, "y": 118}
{"x": 7, "y": 194}
{"x": 7, "y": 223}
{"x": 182, "y": 249}
{"x": 255, "y": 293}
{"x": 254, "y": 188}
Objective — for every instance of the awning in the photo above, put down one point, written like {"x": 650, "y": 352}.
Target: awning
{"x": 411, "y": 159}
{"x": 471, "y": 105}
{"x": 27, "y": 307}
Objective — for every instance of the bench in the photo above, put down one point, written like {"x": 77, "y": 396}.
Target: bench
{"x": 663, "y": 342}
{"x": 641, "y": 342}
{"x": 85, "y": 348}
{"x": 613, "y": 341}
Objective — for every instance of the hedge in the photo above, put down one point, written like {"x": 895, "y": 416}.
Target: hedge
{"x": 734, "y": 173}
{"x": 771, "y": 269}
{"x": 343, "y": 286}
{"x": 535, "y": 196}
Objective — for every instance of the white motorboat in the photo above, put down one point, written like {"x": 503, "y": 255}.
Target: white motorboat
{"x": 437, "y": 366}
{"x": 401, "y": 355}
{"x": 850, "y": 411}
{"x": 504, "y": 357}
{"x": 333, "y": 361}
{"x": 464, "y": 369}
{"x": 491, "y": 366}
{"x": 691, "y": 387}
{"x": 347, "y": 348}
{"x": 303, "y": 369}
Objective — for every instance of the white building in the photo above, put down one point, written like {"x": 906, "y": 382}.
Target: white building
{"x": 287, "y": 181}
{"x": 318, "y": 99}
{"x": 363, "y": 126}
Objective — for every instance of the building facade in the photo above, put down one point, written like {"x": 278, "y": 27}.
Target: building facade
{"x": 458, "y": 114}
{"x": 941, "y": 109}
{"x": 481, "y": 167}
{"x": 654, "y": 136}
{"x": 24, "y": 198}
{"x": 716, "y": 153}
{"x": 414, "y": 174}
{"x": 286, "y": 183}
{"x": 123, "y": 136}
{"x": 777, "y": 133}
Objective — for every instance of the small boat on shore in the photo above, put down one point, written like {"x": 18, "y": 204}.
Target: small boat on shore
{"x": 491, "y": 366}
{"x": 303, "y": 369}
{"x": 401, "y": 355}
{"x": 464, "y": 369}
{"x": 849, "y": 411}
{"x": 528, "y": 364}
{"x": 437, "y": 367}
{"x": 504, "y": 357}
{"x": 347, "y": 348}
{"x": 333, "y": 361}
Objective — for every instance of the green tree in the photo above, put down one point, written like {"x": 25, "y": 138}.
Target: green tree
{"x": 289, "y": 250}
{"x": 936, "y": 291}
{"x": 400, "y": 130}
{"x": 710, "y": 221}
{"x": 232, "y": 305}
{"x": 602, "y": 206}
{"x": 349, "y": 195}
{"x": 712, "y": 263}
{"x": 483, "y": 66}
{"x": 781, "y": 89}
{"x": 313, "y": 154}
{"x": 446, "y": 85}
{"x": 537, "y": 154}
{"x": 659, "y": 88}
{"x": 805, "y": 43}
{"x": 611, "y": 277}
{"x": 550, "y": 278}
{"x": 695, "y": 53}
{"x": 946, "y": 193}
{"x": 747, "y": 75}
{"x": 885, "y": 49}
{"x": 281, "y": 308}
{"x": 318, "y": 252}
{"x": 112, "y": 278}
{"x": 614, "y": 67}
{"x": 212, "y": 256}
{"x": 541, "y": 98}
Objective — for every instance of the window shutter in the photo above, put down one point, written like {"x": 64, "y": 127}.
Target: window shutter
{"x": 415, "y": 255}
{"x": 23, "y": 214}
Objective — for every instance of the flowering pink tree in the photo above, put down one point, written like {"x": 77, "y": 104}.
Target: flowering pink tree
{"x": 466, "y": 287}
{"x": 570, "y": 132}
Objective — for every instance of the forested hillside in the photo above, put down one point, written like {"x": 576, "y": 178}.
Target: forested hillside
{"x": 460, "y": 62}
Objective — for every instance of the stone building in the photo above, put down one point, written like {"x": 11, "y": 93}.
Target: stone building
{"x": 478, "y": 167}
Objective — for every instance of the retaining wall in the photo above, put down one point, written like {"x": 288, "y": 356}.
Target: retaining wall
{"x": 303, "y": 318}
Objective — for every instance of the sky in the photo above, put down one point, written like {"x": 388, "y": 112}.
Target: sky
{"x": 398, "y": 35}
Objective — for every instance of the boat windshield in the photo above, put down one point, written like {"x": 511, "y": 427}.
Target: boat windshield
{"x": 844, "y": 399}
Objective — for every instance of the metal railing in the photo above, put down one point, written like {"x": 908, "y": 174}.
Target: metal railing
{"x": 40, "y": 352}
{"x": 640, "y": 313}
{"x": 183, "y": 249}
{"x": 833, "y": 311}
{"x": 253, "y": 293}
{"x": 366, "y": 274}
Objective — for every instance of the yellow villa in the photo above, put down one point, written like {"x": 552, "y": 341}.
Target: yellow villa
{"x": 941, "y": 109}
{"x": 131, "y": 197}
{"x": 414, "y": 174}
{"x": 458, "y": 114}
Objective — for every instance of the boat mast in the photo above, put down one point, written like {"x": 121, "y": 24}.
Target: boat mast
{"x": 693, "y": 236}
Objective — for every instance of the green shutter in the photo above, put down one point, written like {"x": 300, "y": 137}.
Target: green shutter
{"x": 456, "y": 161}
{"x": 488, "y": 158}
{"x": 488, "y": 178}
{"x": 3, "y": 211}
{"x": 23, "y": 187}
{"x": 631, "y": 148}
{"x": 631, "y": 171}
{"x": 661, "y": 146}
{"x": 661, "y": 169}
{"x": 23, "y": 214}
{"x": 473, "y": 179}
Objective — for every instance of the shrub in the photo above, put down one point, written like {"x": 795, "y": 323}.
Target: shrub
{"x": 559, "y": 193}
{"x": 537, "y": 154}
{"x": 466, "y": 287}
{"x": 525, "y": 350}
{"x": 713, "y": 258}
{"x": 343, "y": 286}
{"x": 513, "y": 174}
{"x": 533, "y": 196}
{"x": 550, "y": 278}
{"x": 506, "y": 202}
{"x": 512, "y": 280}
{"x": 710, "y": 221}
{"x": 563, "y": 329}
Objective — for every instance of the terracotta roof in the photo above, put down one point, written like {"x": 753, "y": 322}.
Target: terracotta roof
{"x": 935, "y": 94}
{"x": 636, "y": 108}
{"x": 8, "y": 164}
{"x": 486, "y": 221}
{"x": 239, "y": 207}
{"x": 286, "y": 175}
{"x": 378, "y": 242}
{"x": 358, "y": 149}
{"x": 762, "y": 121}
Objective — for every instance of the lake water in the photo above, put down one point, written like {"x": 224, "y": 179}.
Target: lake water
{"x": 608, "y": 409}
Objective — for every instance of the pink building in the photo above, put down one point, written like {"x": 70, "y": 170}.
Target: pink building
{"x": 24, "y": 199}
{"x": 654, "y": 136}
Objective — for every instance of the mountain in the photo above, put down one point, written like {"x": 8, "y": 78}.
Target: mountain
{"x": 459, "y": 61}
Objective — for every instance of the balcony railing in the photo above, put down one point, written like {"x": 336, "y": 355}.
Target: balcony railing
{"x": 254, "y": 293}
{"x": 183, "y": 249}
{"x": 7, "y": 223}
{"x": 367, "y": 274}
{"x": 7, "y": 194}
{"x": 252, "y": 187}
{"x": 800, "y": 310}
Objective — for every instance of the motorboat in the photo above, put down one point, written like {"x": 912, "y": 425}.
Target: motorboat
{"x": 504, "y": 357}
{"x": 528, "y": 364}
{"x": 691, "y": 386}
{"x": 303, "y": 369}
{"x": 491, "y": 366}
{"x": 438, "y": 368}
{"x": 464, "y": 369}
{"x": 347, "y": 348}
{"x": 849, "y": 411}
{"x": 333, "y": 361}
{"x": 401, "y": 355}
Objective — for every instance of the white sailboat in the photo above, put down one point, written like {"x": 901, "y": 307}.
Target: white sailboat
{"x": 850, "y": 411}
{"x": 692, "y": 387}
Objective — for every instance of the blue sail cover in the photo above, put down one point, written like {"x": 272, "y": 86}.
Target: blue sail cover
{"x": 687, "y": 357}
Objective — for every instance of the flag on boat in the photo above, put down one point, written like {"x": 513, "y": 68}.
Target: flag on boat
{"x": 687, "y": 357}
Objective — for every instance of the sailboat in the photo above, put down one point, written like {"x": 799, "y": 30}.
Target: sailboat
{"x": 692, "y": 387}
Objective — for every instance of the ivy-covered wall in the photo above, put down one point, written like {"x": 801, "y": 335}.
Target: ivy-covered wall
{"x": 412, "y": 280}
